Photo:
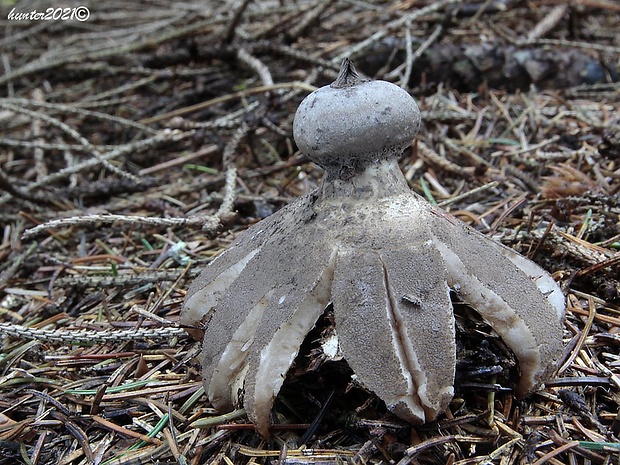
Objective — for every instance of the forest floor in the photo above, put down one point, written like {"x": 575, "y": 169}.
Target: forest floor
{"x": 119, "y": 129}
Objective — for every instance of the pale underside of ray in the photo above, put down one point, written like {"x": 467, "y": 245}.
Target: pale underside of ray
{"x": 481, "y": 254}
{"x": 268, "y": 365}
{"x": 502, "y": 318}
{"x": 543, "y": 281}
{"x": 416, "y": 281}
{"x": 211, "y": 285}
{"x": 377, "y": 292}
{"x": 273, "y": 284}
{"x": 201, "y": 304}
{"x": 514, "y": 295}
{"x": 232, "y": 326}
{"x": 228, "y": 375}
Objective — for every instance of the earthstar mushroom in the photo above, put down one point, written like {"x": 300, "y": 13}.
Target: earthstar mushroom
{"x": 384, "y": 257}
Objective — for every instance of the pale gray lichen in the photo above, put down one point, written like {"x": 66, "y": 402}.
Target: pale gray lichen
{"x": 383, "y": 256}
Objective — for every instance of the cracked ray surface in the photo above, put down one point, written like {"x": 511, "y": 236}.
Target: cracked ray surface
{"x": 385, "y": 258}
